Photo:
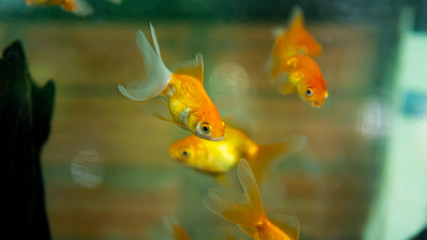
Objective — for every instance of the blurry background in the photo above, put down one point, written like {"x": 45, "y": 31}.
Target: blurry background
{"x": 105, "y": 166}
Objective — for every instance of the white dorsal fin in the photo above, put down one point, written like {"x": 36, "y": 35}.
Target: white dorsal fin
{"x": 193, "y": 67}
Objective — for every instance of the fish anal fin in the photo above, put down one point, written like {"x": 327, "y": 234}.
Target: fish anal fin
{"x": 192, "y": 67}
{"x": 288, "y": 224}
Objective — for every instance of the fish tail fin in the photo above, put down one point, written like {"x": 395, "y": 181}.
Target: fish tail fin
{"x": 267, "y": 153}
{"x": 248, "y": 213}
{"x": 174, "y": 229}
{"x": 157, "y": 74}
{"x": 80, "y": 8}
{"x": 297, "y": 17}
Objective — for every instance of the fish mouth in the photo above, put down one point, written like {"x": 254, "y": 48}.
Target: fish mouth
{"x": 316, "y": 104}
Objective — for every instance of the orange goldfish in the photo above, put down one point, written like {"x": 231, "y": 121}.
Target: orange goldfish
{"x": 188, "y": 104}
{"x": 216, "y": 158}
{"x": 296, "y": 40}
{"x": 248, "y": 212}
{"x": 291, "y": 53}
{"x": 79, "y": 7}
{"x": 305, "y": 77}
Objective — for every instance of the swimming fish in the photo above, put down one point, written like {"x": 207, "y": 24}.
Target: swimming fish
{"x": 304, "y": 77}
{"x": 296, "y": 40}
{"x": 217, "y": 158}
{"x": 248, "y": 211}
{"x": 181, "y": 91}
{"x": 78, "y": 7}
{"x": 292, "y": 54}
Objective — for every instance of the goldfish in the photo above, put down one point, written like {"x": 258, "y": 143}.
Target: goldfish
{"x": 292, "y": 54}
{"x": 78, "y": 7}
{"x": 296, "y": 40}
{"x": 248, "y": 212}
{"x": 181, "y": 91}
{"x": 304, "y": 77}
{"x": 217, "y": 158}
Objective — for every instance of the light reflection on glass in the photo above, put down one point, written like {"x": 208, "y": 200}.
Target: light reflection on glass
{"x": 86, "y": 169}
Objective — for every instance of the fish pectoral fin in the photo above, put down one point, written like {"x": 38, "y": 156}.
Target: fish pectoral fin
{"x": 288, "y": 224}
{"x": 193, "y": 67}
{"x": 287, "y": 88}
{"x": 158, "y": 108}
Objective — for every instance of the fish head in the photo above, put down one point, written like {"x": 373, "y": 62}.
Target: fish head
{"x": 315, "y": 92}
{"x": 313, "y": 87}
{"x": 207, "y": 124}
{"x": 186, "y": 151}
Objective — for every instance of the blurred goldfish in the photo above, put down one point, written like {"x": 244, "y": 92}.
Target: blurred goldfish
{"x": 217, "y": 158}
{"x": 188, "y": 104}
{"x": 296, "y": 40}
{"x": 249, "y": 213}
{"x": 78, "y": 7}
{"x": 291, "y": 54}
{"x": 305, "y": 77}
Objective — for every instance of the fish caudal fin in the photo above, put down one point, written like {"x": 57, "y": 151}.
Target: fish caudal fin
{"x": 80, "y": 8}
{"x": 157, "y": 75}
{"x": 174, "y": 229}
{"x": 297, "y": 17}
{"x": 248, "y": 213}
{"x": 267, "y": 153}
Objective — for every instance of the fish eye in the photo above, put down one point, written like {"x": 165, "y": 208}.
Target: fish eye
{"x": 206, "y": 128}
{"x": 185, "y": 153}
{"x": 309, "y": 92}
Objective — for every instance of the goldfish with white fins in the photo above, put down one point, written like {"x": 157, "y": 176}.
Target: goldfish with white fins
{"x": 80, "y": 8}
{"x": 248, "y": 212}
{"x": 217, "y": 158}
{"x": 188, "y": 104}
{"x": 292, "y": 54}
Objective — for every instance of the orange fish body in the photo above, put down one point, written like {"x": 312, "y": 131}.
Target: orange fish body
{"x": 188, "y": 104}
{"x": 292, "y": 54}
{"x": 219, "y": 157}
{"x": 296, "y": 40}
{"x": 249, "y": 214}
{"x": 305, "y": 77}
{"x": 78, "y": 7}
